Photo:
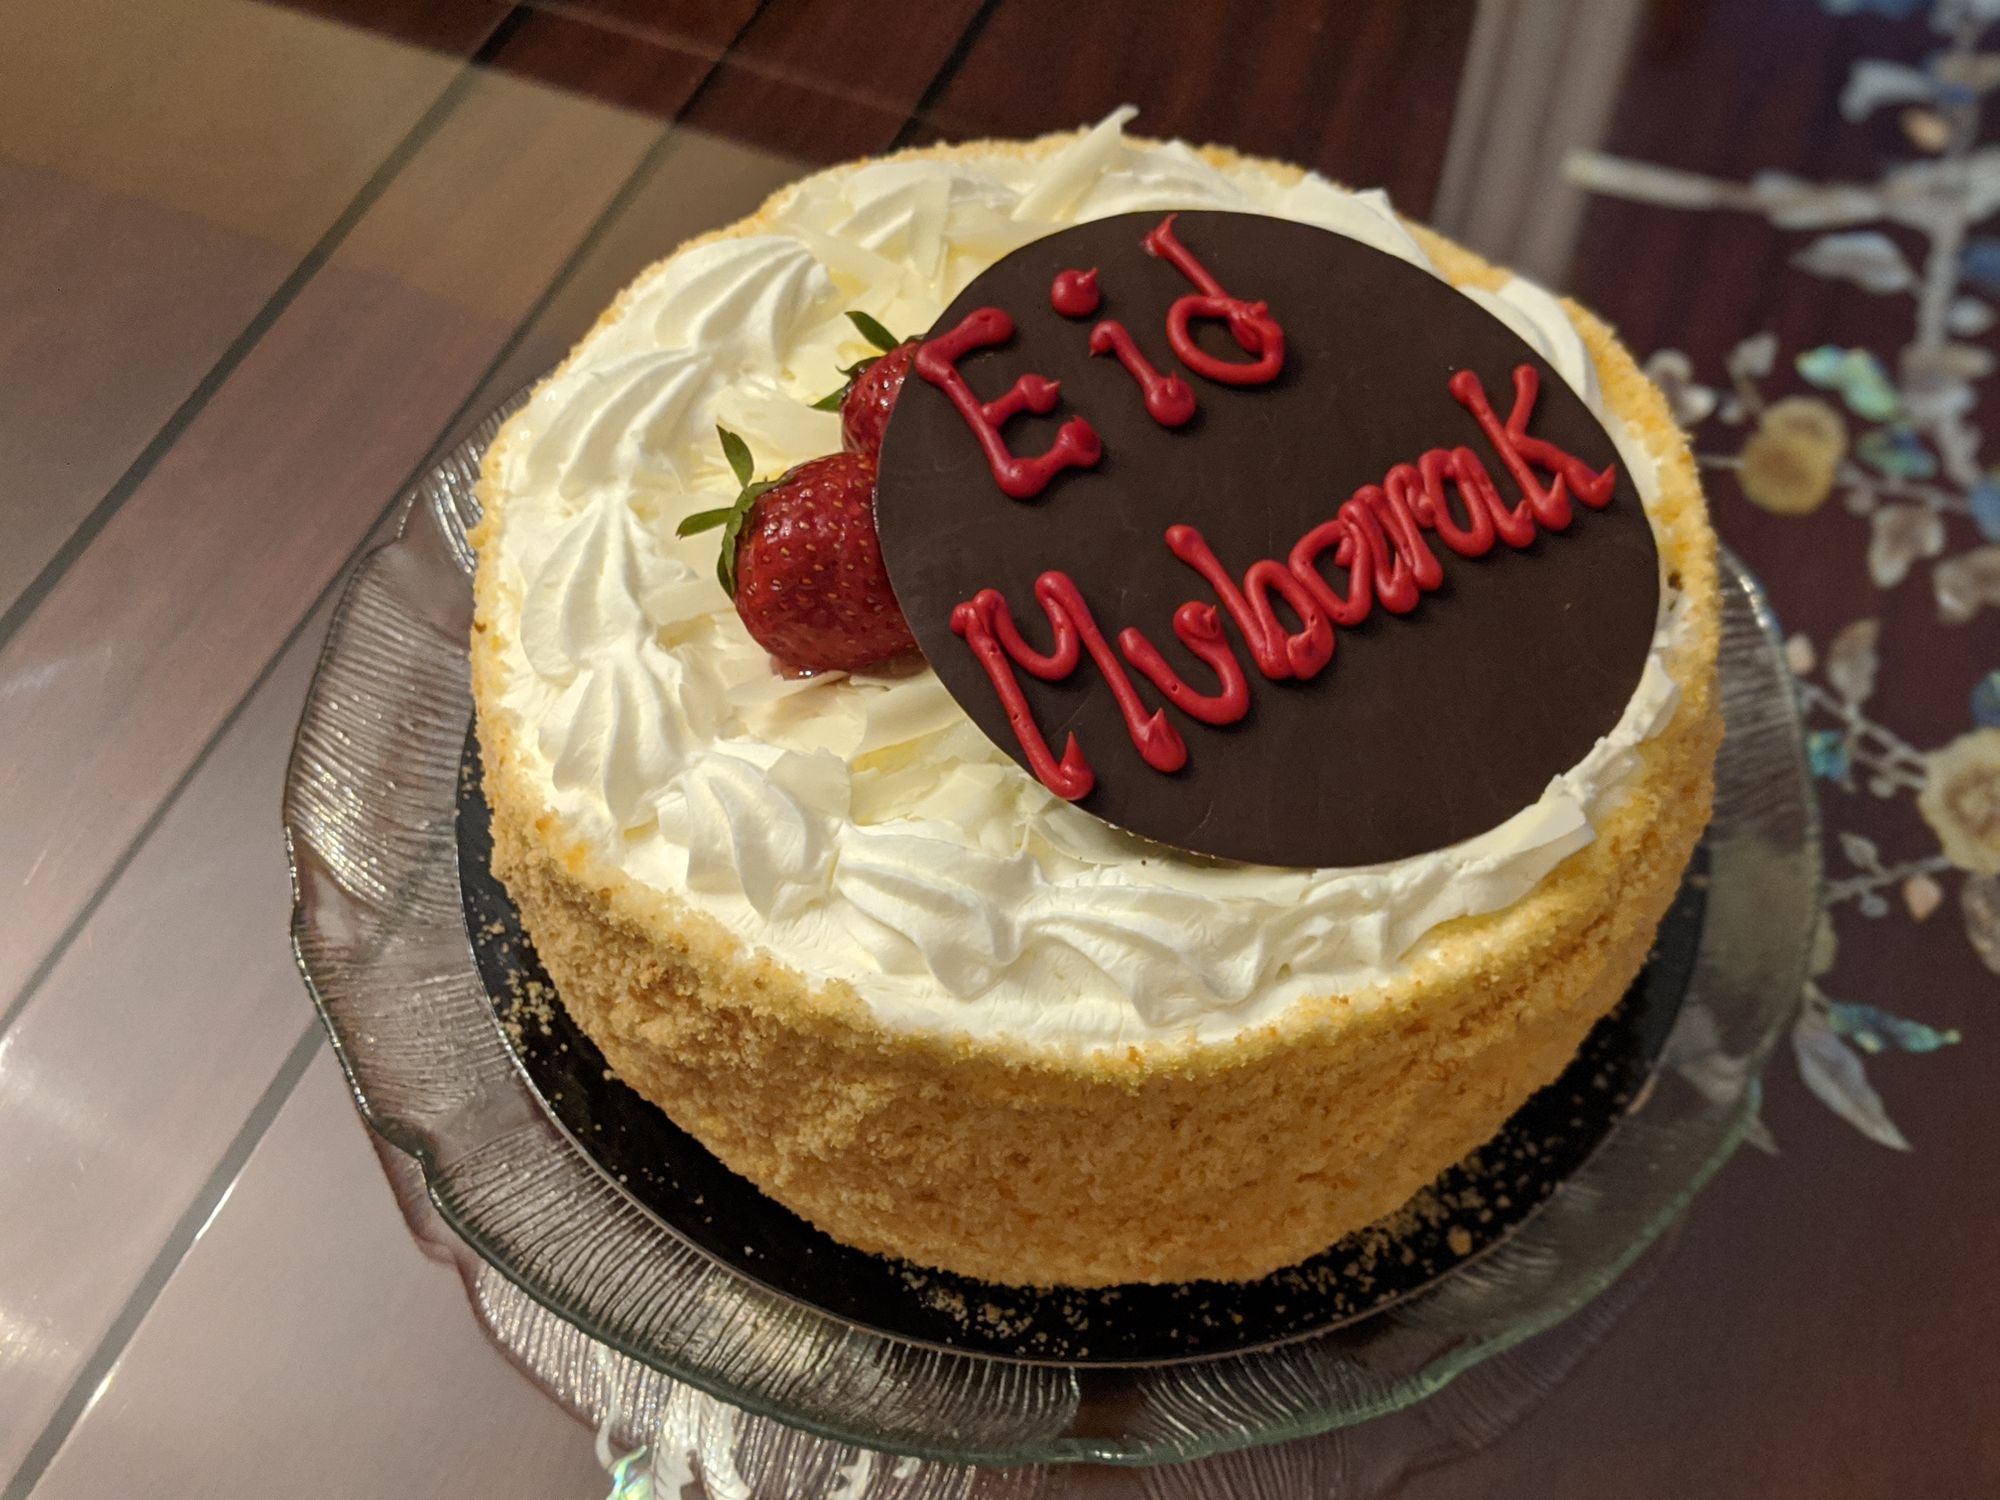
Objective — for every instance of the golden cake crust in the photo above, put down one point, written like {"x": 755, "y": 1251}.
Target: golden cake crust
{"x": 1161, "y": 1161}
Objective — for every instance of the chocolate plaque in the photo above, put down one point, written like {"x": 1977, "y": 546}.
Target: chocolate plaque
{"x": 1314, "y": 444}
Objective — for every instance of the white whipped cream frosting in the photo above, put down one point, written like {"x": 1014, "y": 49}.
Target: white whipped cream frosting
{"x": 859, "y": 827}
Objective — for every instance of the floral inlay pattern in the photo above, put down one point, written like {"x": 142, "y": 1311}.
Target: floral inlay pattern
{"x": 1896, "y": 439}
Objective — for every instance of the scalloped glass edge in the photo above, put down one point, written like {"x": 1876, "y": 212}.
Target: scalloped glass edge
{"x": 689, "y": 1435}
{"x": 378, "y": 934}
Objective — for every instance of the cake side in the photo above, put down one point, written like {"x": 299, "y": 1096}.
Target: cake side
{"x": 1166, "y": 1158}
{"x": 1217, "y": 1161}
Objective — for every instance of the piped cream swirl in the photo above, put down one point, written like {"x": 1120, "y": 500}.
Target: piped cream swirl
{"x": 860, "y": 828}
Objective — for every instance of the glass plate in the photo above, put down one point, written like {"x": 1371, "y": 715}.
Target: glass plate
{"x": 378, "y": 930}
{"x": 695, "y": 1445}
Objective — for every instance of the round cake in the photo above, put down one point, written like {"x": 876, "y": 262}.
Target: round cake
{"x": 1159, "y": 765}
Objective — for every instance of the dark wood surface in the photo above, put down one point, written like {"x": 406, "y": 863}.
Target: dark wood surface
{"x": 259, "y": 263}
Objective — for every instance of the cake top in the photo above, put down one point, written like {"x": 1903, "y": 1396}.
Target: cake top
{"x": 861, "y": 827}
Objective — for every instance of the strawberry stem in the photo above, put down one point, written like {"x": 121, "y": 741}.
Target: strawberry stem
{"x": 738, "y": 453}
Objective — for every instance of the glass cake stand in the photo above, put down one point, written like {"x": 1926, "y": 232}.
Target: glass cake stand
{"x": 632, "y": 1324}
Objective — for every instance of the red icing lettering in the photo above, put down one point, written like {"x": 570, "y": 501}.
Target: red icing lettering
{"x": 988, "y": 628}
{"x": 1167, "y": 398}
{"x": 1052, "y": 666}
{"x": 1250, "y": 323}
{"x": 1412, "y": 559}
{"x": 1074, "y": 294}
{"x": 1200, "y": 630}
{"x": 1376, "y": 536}
{"x": 1349, "y": 553}
{"x": 1277, "y": 654}
{"x": 1432, "y": 504}
{"x": 1518, "y": 451}
{"x": 1310, "y": 647}
{"x": 1392, "y": 577}
{"x": 1076, "y": 444}
{"x": 1514, "y": 525}
{"x": 1158, "y": 742}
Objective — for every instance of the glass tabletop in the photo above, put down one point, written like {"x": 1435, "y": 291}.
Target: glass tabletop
{"x": 261, "y": 264}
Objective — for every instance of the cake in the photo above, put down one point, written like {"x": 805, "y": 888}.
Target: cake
{"x": 1050, "y": 965}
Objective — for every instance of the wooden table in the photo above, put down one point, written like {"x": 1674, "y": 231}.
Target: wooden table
{"x": 259, "y": 263}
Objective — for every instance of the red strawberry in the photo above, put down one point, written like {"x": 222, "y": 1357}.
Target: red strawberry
{"x": 864, "y": 413}
{"x": 801, "y": 558}
{"x": 873, "y": 384}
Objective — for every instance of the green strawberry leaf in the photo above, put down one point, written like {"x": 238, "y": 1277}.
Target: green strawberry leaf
{"x": 739, "y": 517}
{"x": 873, "y": 331}
{"x": 704, "y": 520}
{"x": 832, "y": 401}
{"x": 738, "y": 453}
{"x": 725, "y": 562}
{"x": 732, "y": 517}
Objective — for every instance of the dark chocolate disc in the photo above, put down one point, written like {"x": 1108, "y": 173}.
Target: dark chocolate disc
{"x": 1425, "y": 728}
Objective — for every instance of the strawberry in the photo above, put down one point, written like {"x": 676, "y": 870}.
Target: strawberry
{"x": 873, "y": 384}
{"x": 864, "y": 415}
{"x": 801, "y": 559}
